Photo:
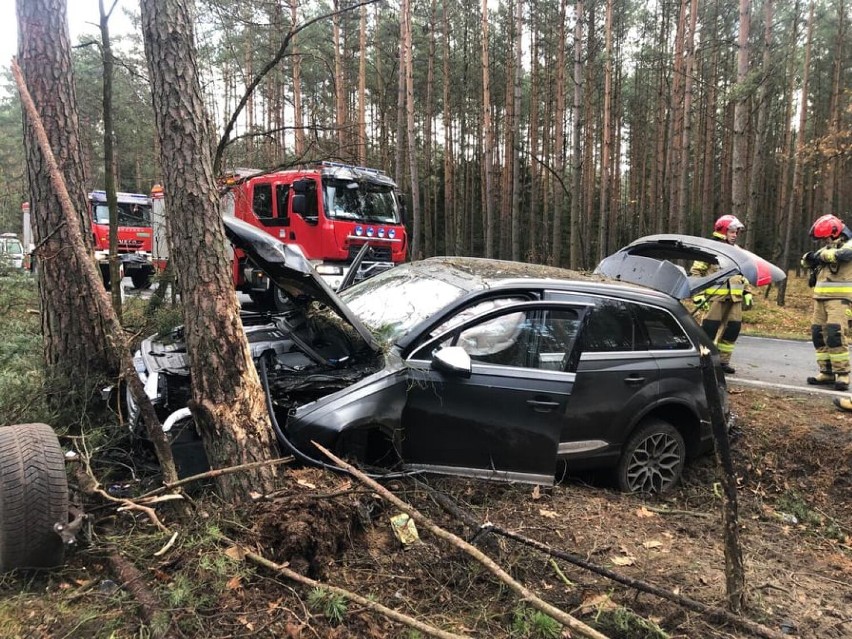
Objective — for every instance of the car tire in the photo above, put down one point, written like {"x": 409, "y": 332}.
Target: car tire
{"x": 652, "y": 459}
{"x": 33, "y": 497}
{"x": 141, "y": 280}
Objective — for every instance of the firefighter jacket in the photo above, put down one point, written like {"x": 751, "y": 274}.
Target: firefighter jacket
{"x": 834, "y": 278}
{"x": 731, "y": 289}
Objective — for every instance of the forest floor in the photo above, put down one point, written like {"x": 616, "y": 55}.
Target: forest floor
{"x": 793, "y": 460}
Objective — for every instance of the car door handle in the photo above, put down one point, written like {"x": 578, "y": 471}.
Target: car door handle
{"x": 541, "y": 405}
{"x": 634, "y": 380}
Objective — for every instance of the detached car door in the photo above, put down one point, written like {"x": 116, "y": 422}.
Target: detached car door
{"x": 501, "y": 417}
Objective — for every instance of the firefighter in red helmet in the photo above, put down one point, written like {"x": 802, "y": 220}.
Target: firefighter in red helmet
{"x": 831, "y": 278}
{"x": 726, "y": 301}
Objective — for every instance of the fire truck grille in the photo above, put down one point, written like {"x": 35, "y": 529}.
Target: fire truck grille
{"x": 129, "y": 246}
{"x": 380, "y": 253}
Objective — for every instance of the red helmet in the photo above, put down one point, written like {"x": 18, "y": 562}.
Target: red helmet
{"x": 727, "y": 223}
{"x": 827, "y": 226}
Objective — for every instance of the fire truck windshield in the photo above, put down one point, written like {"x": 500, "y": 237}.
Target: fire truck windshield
{"x": 360, "y": 201}
{"x": 128, "y": 214}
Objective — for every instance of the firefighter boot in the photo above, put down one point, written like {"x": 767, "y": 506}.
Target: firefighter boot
{"x": 844, "y": 404}
{"x": 823, "y": 379}
{"x": 841, "y": 381}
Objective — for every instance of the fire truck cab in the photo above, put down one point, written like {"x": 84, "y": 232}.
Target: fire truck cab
{"x": 330, "y": 210}
{"x": 134, "y": 235}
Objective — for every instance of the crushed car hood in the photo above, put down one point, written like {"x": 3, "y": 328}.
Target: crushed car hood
{"x": 288, "y": 268}
{"x": 649, "y": 261}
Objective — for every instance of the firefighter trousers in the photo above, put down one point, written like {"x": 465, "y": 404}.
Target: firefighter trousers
{"x": 722, "y": 325}
{"x": 828, "y": 335}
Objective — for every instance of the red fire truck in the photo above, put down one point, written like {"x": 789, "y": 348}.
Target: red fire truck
{"x": 330, "y": 210}
{"x": 134, "y": 235}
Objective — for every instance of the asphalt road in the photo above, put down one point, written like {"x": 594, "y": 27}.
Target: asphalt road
{"x": 784, "y": 364}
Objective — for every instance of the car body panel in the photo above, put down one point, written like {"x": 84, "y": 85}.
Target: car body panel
{"x": 526, "y": 389}
{"x": 640, "y": 263}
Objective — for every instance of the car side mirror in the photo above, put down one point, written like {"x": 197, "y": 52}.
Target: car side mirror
{"x": 452, "y": 360}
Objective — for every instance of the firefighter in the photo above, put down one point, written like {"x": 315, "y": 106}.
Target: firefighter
{"x": 831, "y": 278}
{"x": 727, "y": 300}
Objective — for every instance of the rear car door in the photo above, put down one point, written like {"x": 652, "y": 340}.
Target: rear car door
{"x": 504, "y": 420}
{"x": 617, "y": 379}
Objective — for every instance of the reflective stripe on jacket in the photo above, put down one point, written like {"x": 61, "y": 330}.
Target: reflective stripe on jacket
{"x": 834, "y": 281}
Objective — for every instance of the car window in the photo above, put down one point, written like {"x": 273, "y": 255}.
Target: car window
{"x": 611, "y": 329}
{"x": 472, "y": 311}
{"x": 664, "y": 331}
{"x": 262, "y": 200}
{"x": 533, "y": 338}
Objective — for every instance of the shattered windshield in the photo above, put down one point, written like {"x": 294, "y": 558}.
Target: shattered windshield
{"x": 360, "y": 202}
{"x": 128, "y": 214}
{"x": 395, "y": 301}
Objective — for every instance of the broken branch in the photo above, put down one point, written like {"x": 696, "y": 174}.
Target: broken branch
{"x": 522, "y": 591}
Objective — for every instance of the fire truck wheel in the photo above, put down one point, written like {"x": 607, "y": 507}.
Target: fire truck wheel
{"x": 33, "y": 497}
{"x": 280, "y": 301}
{"x": 141, "y": 280}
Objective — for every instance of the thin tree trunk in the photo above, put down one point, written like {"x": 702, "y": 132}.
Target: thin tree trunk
{"x": 515, "y": 210}
{"x": 429, "y": 221}
{"x": 452, "y": 227}
{"x": 686, "y": 142}
{"x": 298, "y": 117}
{"x": 606, "y": 156}
{"x": 798, "y": 168}
{"x": 575, "y": 258}
{"x": 739, "y": 186}
{"x": 487, "y": 139}
{"x": 109, "y": 162}
{"x": 558, "y": 201}
{"x": 339, "y": 84}
{"x": 405, "y": 24}
{"x": 758, "y": 161}
{"x": 362, "y": 88}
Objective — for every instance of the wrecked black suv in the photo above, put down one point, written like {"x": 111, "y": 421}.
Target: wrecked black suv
{"x": 479, "y": 367}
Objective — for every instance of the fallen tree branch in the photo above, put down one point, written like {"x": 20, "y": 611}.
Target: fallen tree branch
{"x": 216, "y": 472}
{"x": 527, "y": 595}
{"x": 282, "y": 569}
{"x": 712, "y": 612}
{"x": 152, "y": 614}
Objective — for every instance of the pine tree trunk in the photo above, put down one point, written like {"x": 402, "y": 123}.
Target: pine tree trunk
{"x": 405, "y": 24}
{"x": 739, "y": 186}
{"x": 362, "y": 88}
{"x": 339, "y": 83}
{"x": 515, "y": 210}
{"x": 452, "y": 227}
{"x": 606, "y": 155}
{"x": 559, "y": 142}
{"x": 76, "y": 351}
{"x": 758, "y": 160}
{"x": 798, "y": 161}
{"x": 575, "y": 258}
{"x": 487, "y": 140}
{"x": 228, "y": 402}
{"x": 298, "y": 119}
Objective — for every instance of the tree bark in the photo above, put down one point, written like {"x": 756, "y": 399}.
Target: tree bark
{"x": 75, "y": 335}
{"x": 487, "y": 139}
{"x": 739, "y": 186}
{"x": 575, "y": 258}
{"x": 405, "y": 14}
{"x": 227, "y": 400}
{"x": 109, "y": 161}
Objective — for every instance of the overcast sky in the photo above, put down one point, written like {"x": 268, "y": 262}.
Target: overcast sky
{"x": 83, "y": 17}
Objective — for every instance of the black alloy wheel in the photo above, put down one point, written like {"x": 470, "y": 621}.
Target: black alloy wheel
{"x": 653, "y": 459}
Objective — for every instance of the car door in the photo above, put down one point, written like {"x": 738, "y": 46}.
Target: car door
{"x": 617, "y": 378}
{"x": 503, "y": 420}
